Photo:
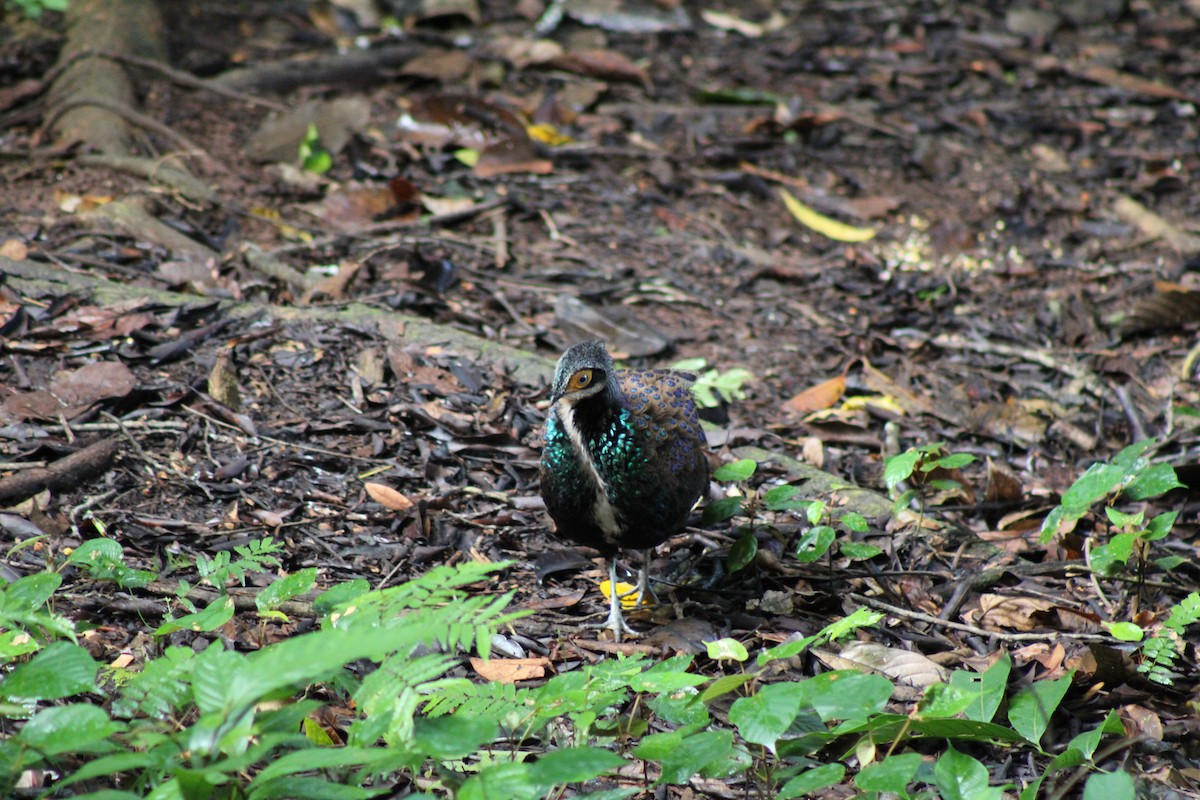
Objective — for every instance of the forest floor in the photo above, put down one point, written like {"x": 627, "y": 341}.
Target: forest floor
{"x": 355, "y": 363}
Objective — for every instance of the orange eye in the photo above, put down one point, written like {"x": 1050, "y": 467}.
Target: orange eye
{"x": 581, "y": 380}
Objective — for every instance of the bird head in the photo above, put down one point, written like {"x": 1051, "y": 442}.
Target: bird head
{"x": 585, "y": 370}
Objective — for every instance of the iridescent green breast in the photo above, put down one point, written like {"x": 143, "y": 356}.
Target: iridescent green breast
{"x": 641, "y": 467}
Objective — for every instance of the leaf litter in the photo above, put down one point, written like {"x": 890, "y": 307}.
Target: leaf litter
{"x": 992, "y": 165}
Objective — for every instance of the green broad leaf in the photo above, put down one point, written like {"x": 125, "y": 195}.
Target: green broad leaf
{"x": 904, "y": 500}
{"x": 811, "y": 782}
{"x": 693, "y": 365}
{"x": 952, "y": 461}
{"x": 743, "y": 551}
{"x": 285, "y": 588}
{"x": 724, "y": 685}
{"x": 893, "y": 774}
{"x": 727, "y": 650}
{"x": 987, "y": 688}
{"x": 511, "y": 780}
{"x": 667, "y": 676}
{"x": 452, "y": 736}
{"x": 96, "y": 551}
{"x": 735, "y": 470}
{"x": 1030, "y": 709}
{"x": 739, "y": 95}
{"x": 814, "y": 543}
{"x": 960, "y": 777}
{"x": 14, "y": 644}
{"x": 318, "y": 162}
{"x": 886, "y": 727}
{"x": 30, "y": 593}
{"x": 682, "y": 758}
{"x": 315, "y": 758}
{"x": 211, "y": 671}
{"x": 680, "y": 709}
{"x": 944, "y": 485}
{"x": 961, "y": 730}
{"x": 787, "y": 649}
{"x": 1117, "y": 551}
{"x": 859, "y": 551}
{"x": 1131, "y": 455}
{"x": 1160, "y": 526}
{"x": 75, "y": 728}
{"x": 942, "y": 701}
{"x": 574, "y": 765}
{"x": 854, "y": 522}
{"x": 468, "y": 156}
{"x": 1123, "y": 520}
{"x": 108, "y": 766}
{"x": 315, "y": 734}
{"x": 1168, "y": 563}
{"x": 335, "y": 596}
{"x": 766, "y": 715}
{"x": 60, "y": 670}
{"x": 1067, "y": 759}
{"x": 781, "y": 498}
{"x": 1032, "y": 789}
{"x": 607, "y": 794}
{"x": 846, "y": 694}
{"x": 1081, "y": 748}
{"x": 1091, "y": 487}
{"x": 720, "y": 510}
{"x": 1125, "y": 631}
{"x": 900, "y": 467}
{"x": 312, "y": 789}
{"x": 216, "y": 614}
{"x": 1153, "y": 482}
{"x": 729, "y": 384}
{"x": 816, "y": 512}
{"x": 1109, "y": 786}
{"x": 859, "y": 618}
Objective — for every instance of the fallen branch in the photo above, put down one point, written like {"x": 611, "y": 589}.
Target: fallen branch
{"x": 69, "y": 472}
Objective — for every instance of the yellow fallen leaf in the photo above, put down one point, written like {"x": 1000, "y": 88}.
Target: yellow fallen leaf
{"x": 883, "y": 402}
{"x": 626, "y": 591}
{"x": 548, "y": 134}
{"x": 822, "y": 224}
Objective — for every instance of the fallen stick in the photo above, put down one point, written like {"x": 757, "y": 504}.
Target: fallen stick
{"x": 68, "y": 472}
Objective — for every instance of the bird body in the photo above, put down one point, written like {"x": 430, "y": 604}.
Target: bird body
{"x": 623, "y": 461}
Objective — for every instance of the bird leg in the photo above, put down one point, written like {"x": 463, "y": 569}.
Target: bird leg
{"x": 643, "y": 585}
{"x": 616, "y": 620}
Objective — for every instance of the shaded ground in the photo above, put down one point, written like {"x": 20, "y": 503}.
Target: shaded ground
{"x": 1013, "y": 304}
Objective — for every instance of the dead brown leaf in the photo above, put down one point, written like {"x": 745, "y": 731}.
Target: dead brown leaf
{"x": 1141, "y": 721}
{"x": 15, "y": 249}
{"x": 93, "y": 382}
{"x": 354, "y": 206}
{"x": 512, "y": 155}
{"x": 824, "y": 395}
{"x": 445, "y": 66}
{"x": 1002, "y": 484}
{"x": 511, "y": 670}
{"x": 522, "y": 52}
{"x": 388, "y": 497}
{"x": 604, "y": 64}
{"x": 334, "y": 286}
{"x": 906, "y": 666}
{"x": 1001, "y": 612}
